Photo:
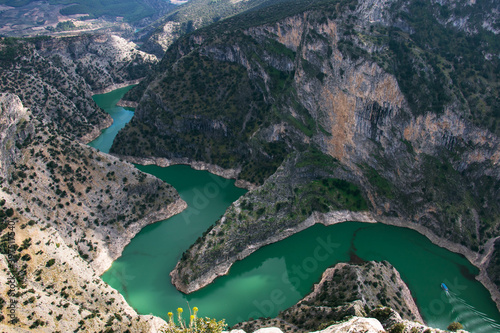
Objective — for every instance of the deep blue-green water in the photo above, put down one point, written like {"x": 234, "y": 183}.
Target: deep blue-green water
{"x": 277, "y": 276}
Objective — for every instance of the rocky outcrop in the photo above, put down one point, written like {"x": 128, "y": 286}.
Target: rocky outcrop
{"x": 14, "y": 123}
{"x": 374, "y": 283}
{"x": 349, "y": 298}
{"x": 75, "y": 211}
{"x": 56, "y": 77}
{"x": 355, "y": 325}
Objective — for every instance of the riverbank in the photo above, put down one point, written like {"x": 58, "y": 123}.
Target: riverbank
{"x": 127, "y": 104}
{"x": 115, "y": 86}
{"x": 117, "y": 241}
{"x": 476, "y": 259}
{"x": 96, "y": 131}
{"x": 331, "y": 218}
{"x": 197, "y": 165}
{"x": 223, "y": 268}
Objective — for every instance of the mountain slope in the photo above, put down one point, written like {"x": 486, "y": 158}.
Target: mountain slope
{"x": 55, "y": 77}
{"x": 370, "y": 95}
{"x": 188, "y": 17}
{"x": 67, "y": 211}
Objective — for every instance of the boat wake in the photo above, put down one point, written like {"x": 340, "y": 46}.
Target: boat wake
{"x": 473, "y": 320}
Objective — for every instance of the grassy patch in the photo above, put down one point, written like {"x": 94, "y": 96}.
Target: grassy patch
{"x": 383, "y": 186}
{"x": 328, "y": 194}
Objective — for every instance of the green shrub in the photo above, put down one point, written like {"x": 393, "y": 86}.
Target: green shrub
{"x": 50, "y": 263}
{"x": 455, "y": 326}
{"x": 398, "y": 328}
{"x": 381, "y": 313}
{"x": 196, "y": 325}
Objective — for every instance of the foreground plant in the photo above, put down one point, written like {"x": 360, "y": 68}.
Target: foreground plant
{"x": 196, "y": 325}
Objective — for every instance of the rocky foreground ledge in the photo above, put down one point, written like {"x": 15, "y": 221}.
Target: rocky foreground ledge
{"x": 351, "y": 306}
{"x": 356, "y": 325}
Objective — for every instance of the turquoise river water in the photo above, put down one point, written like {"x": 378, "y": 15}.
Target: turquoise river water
{"x": 277, "y": 276}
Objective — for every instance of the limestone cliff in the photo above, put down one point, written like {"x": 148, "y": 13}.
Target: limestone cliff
{"x": 14, "y": 120}
{"x": 347, "y": 105}
{"x": 56, "y": 77}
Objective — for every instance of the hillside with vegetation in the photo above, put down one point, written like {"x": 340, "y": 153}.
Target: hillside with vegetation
{"x": 23, "y": 18}
{"x": 160, "y": 34}
{"x": 371, "y": 290}
{"x": 398, "y": 100}
{"x": 56, "y": 77}
{"x": 66, "y": 212}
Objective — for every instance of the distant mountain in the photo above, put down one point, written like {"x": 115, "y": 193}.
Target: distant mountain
{"x": 36, "y": 17}
{"x": 159, "y": 35}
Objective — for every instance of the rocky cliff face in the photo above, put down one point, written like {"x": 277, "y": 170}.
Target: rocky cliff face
{"x": 102, "y": 60}
{"x": 355, "y": 305}
{"x": 67, "y": 211}
{"x": 343, "y": 97}
{"x": 14, "y": 127}
{"x": 56, "y": 77}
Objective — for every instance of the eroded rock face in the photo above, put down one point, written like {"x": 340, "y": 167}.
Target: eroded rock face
{"x": 70, "y": 211}
{"x": 14, "y": 127}
{"x": 56, "y": 77}
{"x": 350, "y": 296}
{"x": 365, "y": 282}
{"x": 356, "y": 325}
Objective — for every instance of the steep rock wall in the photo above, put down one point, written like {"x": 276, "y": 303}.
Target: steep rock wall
{"x": 357, "y": 84}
